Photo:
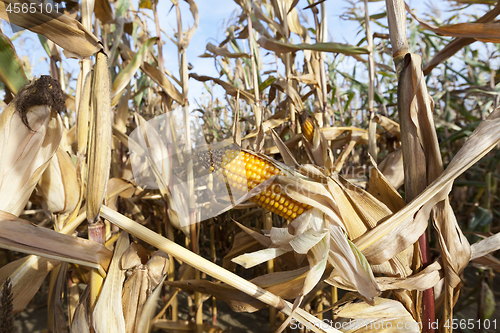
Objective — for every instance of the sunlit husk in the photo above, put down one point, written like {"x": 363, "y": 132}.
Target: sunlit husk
{"x": 58, "y": 185}
{"x": 108, "y": 312}
{"x": 25, "y": 154}
{"x": 100, "y": 137}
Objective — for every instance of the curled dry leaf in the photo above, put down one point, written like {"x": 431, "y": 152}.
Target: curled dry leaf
{"x": 224, "y": 52}
{"x": 486, "y": 32}
{"x": 108, "y": 312}
{"x": 459, "y": 43}
{"x": 386, "y": 313}
{"x": 280, "y": 47}
{"x": 230, "y": 89}
{"x": 58, "y": 185}
{"x": 22, "y": 236}
{"x": 312, "y": 233}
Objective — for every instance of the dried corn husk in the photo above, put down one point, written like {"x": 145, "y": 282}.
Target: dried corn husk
{"x": 100, "y": 138}
{"x": 58, "y": 185}
{"x": 108, "y": 311}
{"x": 26, "y": 152}
{"x": 141, "y": 281}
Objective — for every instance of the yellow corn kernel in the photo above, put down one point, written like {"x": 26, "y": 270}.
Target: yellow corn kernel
{"x": 244, "y": 171}
{"x": 307, "y": 126}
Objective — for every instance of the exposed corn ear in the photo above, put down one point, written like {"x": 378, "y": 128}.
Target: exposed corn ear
{"x": 244, "y": 170}
{"x": 100, "y": 137}
{"x": 307, "y": 126}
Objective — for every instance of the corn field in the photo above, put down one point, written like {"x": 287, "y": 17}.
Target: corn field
{"x": 315, "y": 186}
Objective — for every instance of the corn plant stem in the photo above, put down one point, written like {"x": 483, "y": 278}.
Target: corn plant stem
{"x": 96, "y": 234}
{"x": 158, "y": 33}
{"x": 170, "y": 301}
{"x": 334, "y": 298}
{"x": 268, "y": 223}
{"x": 288, "y": 71}
{"x": 251, "y": 42}
{"x": 396, "y": 16}
{"x": 213, "y": 254}
{"x": 257, "y": 109}
{"x": 209, "y": 268}
{"x": 171, "y": 273}
{"x": 322, "y": 68}
{"x": 372, "y": 143}
{"x": 183, "y": 68}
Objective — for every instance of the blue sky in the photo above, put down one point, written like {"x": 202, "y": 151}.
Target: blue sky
{"x": 213, "y": 18}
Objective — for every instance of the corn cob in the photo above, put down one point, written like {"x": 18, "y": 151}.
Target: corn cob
{"x": 307, "y": 126}
{"x": 243, "y": 171}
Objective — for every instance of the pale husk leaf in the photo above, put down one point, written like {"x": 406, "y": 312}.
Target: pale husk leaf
{"x": 59, "y": 185}
{"x": 100, "y": 138}
{"x": 383, "y": 310}
{"x": 25, "y": 154}
{"x": 108, "y": 311}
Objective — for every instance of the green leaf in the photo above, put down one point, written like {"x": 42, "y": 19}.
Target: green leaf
{"x": 124, "y": 5}
{"x": 11, "y": 69}
{"x": 126, "y": 74}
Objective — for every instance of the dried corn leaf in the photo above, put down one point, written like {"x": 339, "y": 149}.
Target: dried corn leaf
{"x": 135, "y": 291}
{"x": 243, "y": 243}
{"x": 485, "y": 246}
{"x": 108, "y": 311}
{"x": 220, "y": 51}
{"x": 103, "y": 11}
{"x": 56, "y": 318}
{"x": 20, "y": 235}
{"x": 144, "y": 324}
{"x": 27, "y": 275}
{"x": 82, "y": 118}
{"x": 457, "y": 44}
{"x": 230, "y": 89}
{"x": 66, "y": 32}
{"x": 81, "y": 319}
{"x": 389, "y": 125}
{"x": 485, "y": 32}
{"x": 280, "y": 47}
{"x": 380, "y": 187}
{"x": 237, "y": 300}
{"x": 386, "y": 315}
{"x": 404, "y": 227}
{"x": 162, "y": 80}
{"x": 392, "y": 168}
